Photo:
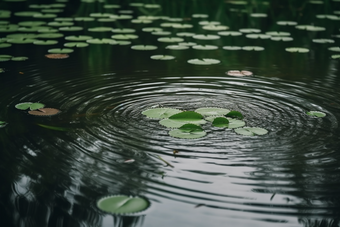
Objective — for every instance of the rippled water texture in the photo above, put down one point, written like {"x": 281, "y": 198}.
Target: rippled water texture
{"x": 54, "y": 169}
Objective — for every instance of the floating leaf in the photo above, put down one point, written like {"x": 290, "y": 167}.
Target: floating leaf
{"x": 252, "y": 48}
{"x": 35, "y": 106}
{"x": 100, "y": 29}
{"x": 258, "y": 36}
{"x": 185, "y": 34}
{"x": 102, "y": 41}
{"x": 284, "y": 39}
{"x": 76, "y": 44}
{"x": 177, "y": 47}
{"x": 212, "y": 27}
{"x": 78, "y": 38}
{"x": 250, "y": 30}
{"x": 275, "y": 33}
{"x": 123, "y": 30}
{"x": 258, "y": 15}
{"x": 336, "y": 49}
{"x": 160, "y": 113}
{"x": 124, "y": 36}
{"x": 239, "y": 73}
{"x": 70, "y": 29}
{"x": 144, "y": 47}
{"x": 206, "y": 37}
{"x": 234, "y": 114}
{"x": 335, "y": 56}
{"x": 170, "y": 39}
{"x": 289, "y": 23}
{"x": 161, "y": 33}
{"x": 232, "y": 48}
{"x": 230, "y": 33}
{"x": 60, "y": 51}
{"x": 316, "y": 114}
{"x": 188, "y": 131}
{"x": 323, "y": 40}
{"x": 19, "y": 58}
{"x": 211, "y": 111}
{"x": 23, "y": 106}
{"x": 4, "y": 57}
{"x": 162, "y": 57}
{"x": 3, "y": 124}
{"x": 220, "y": 122}
{"x": 44, "y": 112}
{"x": 297, "y": 50}
{"x": 182, "y": 118}
{"x": 251, "y": 131}
{"x": 204, "y": 61}
{"x": 57, "y": 56}
{"x": 234, "y": 123}
{"x": 310, "y": 28}
{"x": 204, "y": 47}
{"x": 123, "y": 205}
{"x": 5, "y": 45}
{"x": 45, "y": 42}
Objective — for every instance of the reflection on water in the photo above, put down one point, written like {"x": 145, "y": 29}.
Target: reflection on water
{"x": 289, "y": 177}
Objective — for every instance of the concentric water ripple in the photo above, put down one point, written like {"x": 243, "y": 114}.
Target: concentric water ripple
{"x": 290, "y": 171}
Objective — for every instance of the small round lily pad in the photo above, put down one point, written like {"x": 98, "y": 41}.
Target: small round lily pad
{"x": 188, "y": 131}
{"x": 162, "y": 57}
{"x": 316, "y": 114}
{"x": 57, "y": 56}
{"x": 212, "y": 111}
{"x": 251, "y": 131}
{"x": 123, "y": 204}
{"x": 160, "y": 113}
{"x": 220, "y": 122}
{"x": 239, "y": 73}
{"x": 204, "y": 61}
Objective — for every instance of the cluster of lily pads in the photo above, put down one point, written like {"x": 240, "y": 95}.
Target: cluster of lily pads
{"x": 37, "y": 109}
{"x": 186, "y": 124}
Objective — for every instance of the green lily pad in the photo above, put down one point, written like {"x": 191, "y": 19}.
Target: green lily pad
{"x": 21, "y": 40}
{"x": 124, "y": 36}
{"x": 21, "y": 58}
{"x": 204, "y": 61}
{"x": 45, "y": 42}
{"x": 60, "y": 23}
{"x": 279, "y": 38}
{"x": 102, "y": 41}
{"x": 297, "y": 50}
{"x": 206, "y": 37}
{"x": 76, "y": 44}
{"x": 45, "y": 15}
{"x": 162, "y": 57}
{"x": 4, "y": 57}
{"x": 232, "y": 48}
{"x": 30, "y": 105}
{"x": 251, "y": 131}
{"x": 185, "y": 34}
{"x": 336, "y": 49}
{"x": 212, "y": 111}
{"x": 152, "y": 29}
{"x": 230, "y": 33}
{"x": 258, "y": 36}
{"x": 258, "y": 15}
{"x": 31, "y": 23}
{"x": 71, "y": 29}
{"x": 286, "y": 23}
{"x": 310, "y": 28}
{"x": 205, "y": 23}
{"x": 60, "y": 51}
{"x": 323, "y": 41}
{"x": 144, "y": 47}
{"x": 250, "y": 30}
{"x": 87, "y": 19}
{"x": 177, "y": 47}
{"x": 106, "y": 19}
{"x": 100, "y": 14}
{"x": 275, "y": 33}
{"x": 205, "y": 47}
{"x": 170, "y": 39}
{"x": 335, "y": 56}
{"x": 5, "y": 45}
{"x": 78, "y": 38}
{"x": 26, "y": 13}
{"x": 123, "y": 205}
{"x": 160, "y": 113}
{"x": 188, "y": 131}
{"x": 234, "y": 123}
{"x": 316, "y": 114}
{"x": 200, "y": 15}
{"x": 182, "y": 118}
{"x": 212, "y": 27}
{"x": 138, "y": 21}
{"x": 234, "y": 114}
{"x": 252, "y": 48}
{"x": 100, "y": 29}
{"x": 50, "y": 35}
{"x": 3, "y": 124}
{"x": 220, "y": 122}
{"x": 123, "y": 30}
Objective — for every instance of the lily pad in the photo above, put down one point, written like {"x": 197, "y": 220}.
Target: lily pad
{"x": 4, "y": 57}
{"x": 212, "y": 111}
{"x": 78, "y": 38}
{"x": 123, "y": 205}
{"x": 20, "y": 58}
{"x": 297, "y": 50}
{"x": 250, "y": 30}
{"x": 323, "y": 40}
{"x": 252, "y": 48}
{"x": 310, "y": 28}
{"x": 5, "y": 45}
{"x": 239, "y": 73}
{"x": 177, "y": 47}
{"x": 230, "y": 33}
{"x": 234, "y": 114}
{"x": 336, "y": 49}
{"x": 206, "y": 37}
{"x": 124, "y": 36}
{"x": 170, "y": 39}
{"x": 57, "y": 56}
{"x": 182, "y": 118}
{"x": 144, "y": 47}
{"x": 232, "y": 48}
{"x": 204, "y": 61}
{"x": 123, "y": 30}
{"x": 279, "y": 38}
{"x": 160, "y": 113}
{"x": 30, "y": 105}
{"x": 3, "y": 124}
{"x": 205, "y": 47}
{"x": 215, "y": 27}
{"x": 100, "y": 29}
{"x": 60, "y": 51}
{"x": 71, "y": 29}
{"x": 258, "y": 36}
{"x": 251, "y": 131}
{"x": 220, "y": 122}
{"x": 45, "y": 42}
{"x": 335, "y": 56}
{"x": 44, "y": 111}
{"x": 316, "y": 114}
{"x": 286, "y": 23}
{"x": 188, "y": 131}
{"x": 76, "y": 44}
{"x": 162, "y": 57}
{"x": 102, "y": 41}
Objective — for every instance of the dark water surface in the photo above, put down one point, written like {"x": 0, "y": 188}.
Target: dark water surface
{"x": 288, "y": 177}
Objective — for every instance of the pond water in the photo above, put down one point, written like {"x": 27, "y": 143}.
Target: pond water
{"x": 54, "y": 169}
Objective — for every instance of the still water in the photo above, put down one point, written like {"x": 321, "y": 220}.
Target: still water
{"x": 53, "y": 170}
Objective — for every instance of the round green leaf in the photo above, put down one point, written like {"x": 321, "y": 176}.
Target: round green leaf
{"x": 23, "y": 106}
{"x": 123, "y": 30}
{"x": 70, "y": 29}
{"x": 35, "y": 106}
{"x": 251, "y": 131}
{"x": 233, "y": 123}
{"x": 206, "y": 37}
{"x": 124, "y": 36}
{"x": 102, "y": 41}
{"x": 177, "y": 47}
{"x": 336, "y": 49}
{"x": 215, "y": 27}
{"x": 232, "y": 48}
{"x": 45, "y": 42}
{"x": 230, "y": 33}
{"x": 316, "y": 114}
{"x": 204, "y": 61}
{"x": 160, "y": 113}
{"x": 76, "y": 44}
{"x": 188, "y": 131}
{"x": 310, "y": 28}
{"x": 5, "y": 45}
{"x": 211, "y": 111}
{"x": 297, "y": 50}
{"x": 144, "y": 47}
{"x": 234, "y": 114}
{"x": 123, "y": 205}
{"x": 78, "y": 38}
{"x": 4, "y": 57}
{"x": 162, "y": 57}
{"x": 253, "y": 48}
{"x": 220, "y": 122}
{"x": 205, "y": 47}
{"x": 60, "y": 51}
{"x": 182, "y": 118}
{"x": 335, "y": 56}
{"x": 100, "y": 29}
{"x": 19, "y": 58}
{"x": 50, "y": 35}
